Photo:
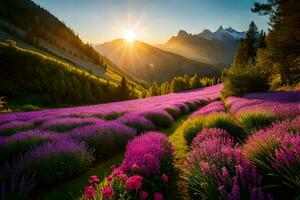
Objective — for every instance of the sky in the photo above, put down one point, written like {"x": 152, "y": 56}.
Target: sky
{"x": 153, "y": 21}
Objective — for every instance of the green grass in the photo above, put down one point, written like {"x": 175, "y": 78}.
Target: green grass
{"x": 73, "y": 189}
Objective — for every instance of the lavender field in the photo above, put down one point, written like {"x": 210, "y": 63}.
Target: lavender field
{"x": 237, "y": 148}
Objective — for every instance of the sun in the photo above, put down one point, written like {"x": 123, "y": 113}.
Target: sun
{"x": 129, "y": 36}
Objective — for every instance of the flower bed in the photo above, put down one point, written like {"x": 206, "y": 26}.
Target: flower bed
{"x": 214, "y": 107}
{"x": 142, "y": 174}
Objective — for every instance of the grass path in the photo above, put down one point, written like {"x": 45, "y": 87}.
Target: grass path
{"x": 72, "y": 189}
{"x": 176, "y": 138}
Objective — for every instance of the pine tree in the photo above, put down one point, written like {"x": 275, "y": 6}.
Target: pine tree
{"x": 283, "y": 41}
{"x": 247, "y": 51}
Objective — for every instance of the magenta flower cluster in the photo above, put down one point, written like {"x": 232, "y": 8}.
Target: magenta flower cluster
{"x": 217, "y": 169}
{"x": 147, "y": 151}
{"x": 141, "y": 165}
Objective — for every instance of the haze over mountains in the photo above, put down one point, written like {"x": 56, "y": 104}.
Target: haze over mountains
{"x": 216, "y": 48}
{"x": 151, "y": 63}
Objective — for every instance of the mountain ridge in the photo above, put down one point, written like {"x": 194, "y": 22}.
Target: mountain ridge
{"x": 148, "y": 62}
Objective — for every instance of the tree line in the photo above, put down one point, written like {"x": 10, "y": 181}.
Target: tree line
{"x": 271, "y": 61}
{"x": 181, "y": 83}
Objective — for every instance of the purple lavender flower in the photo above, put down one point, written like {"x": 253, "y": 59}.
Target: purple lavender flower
{"x": 214, "y": 107}
{"x": 106, "y": 138}
{"x": 148, "y": 151}
{"x": 13, "y": 127}
{"x": 137, "y": 122}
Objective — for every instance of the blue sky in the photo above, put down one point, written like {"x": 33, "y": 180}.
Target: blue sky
{"x": 154, "y": 21}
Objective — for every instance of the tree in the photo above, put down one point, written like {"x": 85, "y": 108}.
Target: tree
{"x": 283, "y": 41}
{"x": 195, "y": 82}
{"x": 247, "y": 51}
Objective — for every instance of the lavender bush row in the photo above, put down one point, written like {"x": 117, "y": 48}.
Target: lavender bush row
{"x": 106, "y": 138}
{"x": 214, "y": 107}
{"x": 276, "y": 153}
{"x": 217, "y": 170}
{"x": 143, "y": 173}
{"x": 158, "y": 102}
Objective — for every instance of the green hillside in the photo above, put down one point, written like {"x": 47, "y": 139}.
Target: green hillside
{"x": 29, "y": 77}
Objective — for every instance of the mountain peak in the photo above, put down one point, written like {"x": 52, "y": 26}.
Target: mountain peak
{"x": 220, "y": 29}
{"x": 182, "y": 33}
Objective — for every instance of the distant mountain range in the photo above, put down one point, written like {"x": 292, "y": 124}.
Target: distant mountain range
{"x": 151, "y": 63}
{"x": 217, "y": 48}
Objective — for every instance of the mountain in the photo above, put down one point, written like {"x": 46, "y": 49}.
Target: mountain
{"x": 216, "y": 48}
{"x": 150, "y": 63}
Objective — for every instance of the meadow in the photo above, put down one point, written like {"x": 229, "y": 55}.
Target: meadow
{"x": 234, "y": 148}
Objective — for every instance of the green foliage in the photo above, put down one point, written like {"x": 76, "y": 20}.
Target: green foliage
{"x": 173, "y": 111}
{"x": 191, "y": 127}
{"x": 31, "y": 78}
{"x": 241, "y": 81}
{"x": 282, "y": 49}
{"x": 113, "y": 115}
{"x": 181, "y": 83}
{"x": 255, "y": 120}
{"x": 226, "y": 122}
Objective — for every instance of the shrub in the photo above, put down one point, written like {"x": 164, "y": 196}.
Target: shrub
{"x": 14, "y": 145}
{"x": 67, "y": 124}
{"x": 173, "y": 111}
{"x": 159, "y": 117}
{"x": 211, "y": 108}
{"x": 246, "y": 80}
{"x": 30, "y": 107}
{"x": 138, "y": 122}
{"x": 192, "y": 106}
{"x": 183, "y": 108}
{"x": 147, "y": 161}
{"x": 227, "y": 123}
{"x": 276, "y": 153}
{"x": 216, "y": 170}
{"x": 106, "y": 138}
{"x": 14, "y": 126}
{"x": 55, "y": 161}
{"x": 113, "y": 115}
{"x": 255, "y": 120}
{"x": 191, "y": 127}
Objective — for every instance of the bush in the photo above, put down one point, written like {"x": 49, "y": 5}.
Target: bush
{"x": 29, "y": 107}
{"x": 13, "y": 146}
{"x": 192, "y": 106}
{"x": 159, "y": 117}
{"x": 106, "y": 138}
{"x": 14, "y": 126}
{"x": 276, "y": 153}
{"x": 217, "y": 170}
{"x": 241, "y": 81}
{"x": 183, "y": 108}
{"x": 56, "y": 161}
{"x": 113, "y": 115}
{"x": 139, "y": 123}
{"x": 191, "y": 127}
{"x": 255, "y": 120}
{"x": 142, "y": 175}
{"x": 225, "y": 122}
{"x": 173, "y": 111}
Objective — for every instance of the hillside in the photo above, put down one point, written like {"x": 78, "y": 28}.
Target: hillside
{"x": 216, "y": 48}
{"x": 149, "y": 63}
{"x": 29, "y": 77}
{"x": 35, "y": 28}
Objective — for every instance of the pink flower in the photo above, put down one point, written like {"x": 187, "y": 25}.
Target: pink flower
{"x": 89, "y": 192}
{"x": 165, "y": 178}
{"x": 123, "y": 177}
{"x": 93, "y": 179}
{"x": 108, "y": 192}
{"x": 117, "y": 172}
{"x": 158, "y": 196}
{"x": 110, "y": 178}
{"x": 133, "y": 183}
{"x": 143, "y": 195}
{"x": 136, "y": 168}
